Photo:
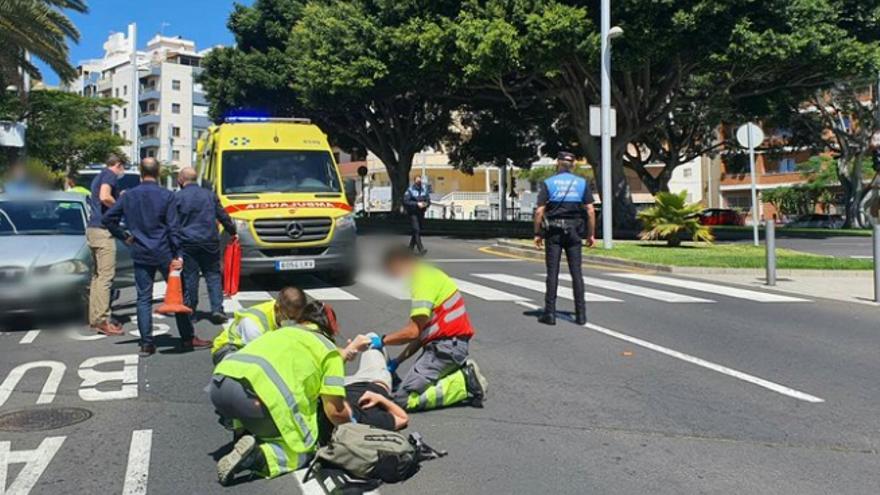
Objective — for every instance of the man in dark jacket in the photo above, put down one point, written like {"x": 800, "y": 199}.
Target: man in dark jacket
{"x": 151, "y": 233}
{"x": 416, "y": 200}
{"x": 198, "y": 211}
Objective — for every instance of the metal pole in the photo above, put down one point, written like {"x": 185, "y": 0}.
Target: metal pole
{"x": 135, "y": 105}
{"x": 877, "y": 262}
{"x": 502, "y": 192}
{"x": 607, "y": 194}
{"x": 770, "y": 234}
{"x": 754, "y": 188}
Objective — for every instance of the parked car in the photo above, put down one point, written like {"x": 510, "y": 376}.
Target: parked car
{"x": 46, "y": 264}
{"x": 720, "y": 216}
{"x": 86, "y": 175}
{"x": 817, "y": 221}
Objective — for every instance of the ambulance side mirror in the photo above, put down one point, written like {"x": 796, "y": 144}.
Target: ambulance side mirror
{"x": 350, "y": 191}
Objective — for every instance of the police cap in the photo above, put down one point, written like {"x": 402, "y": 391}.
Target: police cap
{"x": 566, "y": 156}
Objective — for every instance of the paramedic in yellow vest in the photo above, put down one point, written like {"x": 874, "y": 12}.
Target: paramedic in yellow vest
{"x": 272, "y": 386}
{"x": 250, "y": 323}
{"x": 440, "y": 327}
{"x": 71, "y": 186}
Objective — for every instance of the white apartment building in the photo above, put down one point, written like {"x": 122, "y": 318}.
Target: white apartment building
{"x": 171, "y": 110}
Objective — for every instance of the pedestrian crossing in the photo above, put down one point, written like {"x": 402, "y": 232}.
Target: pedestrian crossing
{"x": 510, "y": 288}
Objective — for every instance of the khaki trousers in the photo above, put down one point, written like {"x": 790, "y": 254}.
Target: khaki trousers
{"x": 103, "y": 248}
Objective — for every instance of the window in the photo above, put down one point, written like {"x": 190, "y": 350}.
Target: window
{"x": 175, "y": 85}
{"x": 151, "y": 153}
{"x": 151, "y": 107}
{"x": 175, "y": 131}
{"x": 116, "y": 114}
{"x": 124, "y": 135}
{"x": 175, "y": 155}
{"x": 116, "y": 92}
{"x": 787, "y": 165}
{"x": 175, "y": 108}
{"x": 124, "y": 113}
{"x": 125, "y": 91}
{"x": 687, "y": 173}
{"x": 252, "y": 172}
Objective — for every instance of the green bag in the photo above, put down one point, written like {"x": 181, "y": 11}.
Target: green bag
{"x": 373, "y": 453}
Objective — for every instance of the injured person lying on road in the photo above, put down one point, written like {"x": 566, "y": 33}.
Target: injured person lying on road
{"x": 368, "y": 392}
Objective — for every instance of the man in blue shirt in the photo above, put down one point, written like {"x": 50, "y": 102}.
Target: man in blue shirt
{"x": 104, "y": 193}
{"x": 198, "y": 211}
{"x": 416, "y": 200}
{"x": 152, "y": 235}
{"x": 563, "y": 201}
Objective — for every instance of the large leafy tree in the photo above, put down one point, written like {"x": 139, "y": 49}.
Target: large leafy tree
{"x": 40, "y": 28}
{"x": 65, "y": 131}
{"x": 530, "y": 51}
{"x": 367, "y": 71}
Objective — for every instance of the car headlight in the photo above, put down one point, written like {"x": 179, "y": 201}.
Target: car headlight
{"x": 241, "y": 225}
{"x": 70, "y": 267}
{"x": 345, "y": 222}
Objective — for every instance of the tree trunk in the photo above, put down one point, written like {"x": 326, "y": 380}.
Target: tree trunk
{"x": 398, "y": 172}
{"x": 849, "y": 172}
{"x": 624, "y": 211}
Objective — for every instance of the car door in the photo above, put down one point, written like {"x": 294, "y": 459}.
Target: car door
{"x": 124, "y": 267}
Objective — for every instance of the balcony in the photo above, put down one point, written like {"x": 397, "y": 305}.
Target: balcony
{"x": 105, "y": 85}
{"x": 149, "y": 94}
{"x": 150, "y": 142}
{"x": 149, "y": 118}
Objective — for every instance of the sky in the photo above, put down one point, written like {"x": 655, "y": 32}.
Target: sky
{"x": 203, "y": 21}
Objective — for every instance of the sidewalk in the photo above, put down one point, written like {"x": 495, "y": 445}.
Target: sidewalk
{"x": 828, "y": 284}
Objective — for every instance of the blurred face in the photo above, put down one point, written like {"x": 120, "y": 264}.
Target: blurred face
{"x": 563, "y": 165}
{"x": 418, "y": 180}
{"x": 398, "y": 268}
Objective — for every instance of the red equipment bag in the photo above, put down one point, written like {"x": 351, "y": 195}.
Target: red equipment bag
{"x": 231, "y": 268}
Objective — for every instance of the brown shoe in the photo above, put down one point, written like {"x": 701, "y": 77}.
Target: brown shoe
{"x": 108, "y": 328}
{"x": 197, "y": 342}
{"x": 189, "y": 345}
{"x": 147, "y": 350}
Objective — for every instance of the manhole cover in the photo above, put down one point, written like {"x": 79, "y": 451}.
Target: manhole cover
{"x": 42, "y": 419}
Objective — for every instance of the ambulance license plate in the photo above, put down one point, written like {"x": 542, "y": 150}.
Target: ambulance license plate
{"x": 281, "y": 266}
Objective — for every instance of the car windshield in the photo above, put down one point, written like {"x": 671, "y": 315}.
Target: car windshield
{"x": 127, "y": 181}
{"x": 42, "y": 217}
{"x": 286, "y": 171}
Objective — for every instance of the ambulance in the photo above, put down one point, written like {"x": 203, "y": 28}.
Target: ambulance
{"x": 279, "y": 181}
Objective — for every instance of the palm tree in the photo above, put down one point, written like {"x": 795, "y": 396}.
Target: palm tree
{"x": 671, "y": 218}
{"x": 40, "y": 28}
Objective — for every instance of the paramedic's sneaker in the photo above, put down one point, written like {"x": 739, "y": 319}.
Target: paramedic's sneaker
{"x": 241, "y": 458}
{"x": 477, "y": 385}
{"x": 218, "y": 318}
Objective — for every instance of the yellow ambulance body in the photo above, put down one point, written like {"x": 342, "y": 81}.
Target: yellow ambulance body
{"x": 279, "y": 181}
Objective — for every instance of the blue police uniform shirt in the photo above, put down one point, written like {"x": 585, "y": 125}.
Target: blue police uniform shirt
{"x": 564, "y": 196}
{"x": 97, "y": 208}
{"x": 198, "y": 211}
{"x": 151, "y": 219}
{"x": 416, "y": 194}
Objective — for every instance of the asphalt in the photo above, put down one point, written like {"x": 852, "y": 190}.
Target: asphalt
{"x": 571, "y": 410}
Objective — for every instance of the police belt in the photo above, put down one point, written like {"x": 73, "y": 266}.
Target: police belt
{"x": 563, "y": 223}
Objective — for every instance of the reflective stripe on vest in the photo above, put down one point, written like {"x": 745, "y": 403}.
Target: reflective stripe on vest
{"x": 282, "y": 387}
{"x": 449, "y": 312}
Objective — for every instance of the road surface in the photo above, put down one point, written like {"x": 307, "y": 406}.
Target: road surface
{"x": 674, "y": 387}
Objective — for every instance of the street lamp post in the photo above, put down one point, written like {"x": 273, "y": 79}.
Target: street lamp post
{"x": 607, "y": 195}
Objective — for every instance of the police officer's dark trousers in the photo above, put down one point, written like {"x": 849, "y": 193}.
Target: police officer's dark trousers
{"x": 417, "y": 223}
{"x": 556, "y": 241}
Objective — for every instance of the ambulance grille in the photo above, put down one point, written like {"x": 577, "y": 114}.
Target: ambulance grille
{"x": 289, "y": 230}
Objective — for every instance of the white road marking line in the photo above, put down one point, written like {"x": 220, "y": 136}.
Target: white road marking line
{"x": 860, "y": 257}
{"x": 751, "y": 295}
{"x": 384, "y": 285}
{"x": 476, "y": 260}
{"x": 563, "y": 292}
{"x": 159, "y": 289}
{"x": 35, "y": 462}
{"x": 138, "y": 470}
{"x": 780, "y": 389}
{"x": 775, "y": 387}
{"x": 29, "y": 337}
{"x": 646, "y": 292}
{"x": 257, "y": 295}
{"x": 486, "y": 293}
{"x": 331, "y": 294}
{"x": 231, "y": 304}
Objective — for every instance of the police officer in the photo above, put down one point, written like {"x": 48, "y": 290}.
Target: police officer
{"x": 563, "y": 200}
{"x": 416, "y": 200}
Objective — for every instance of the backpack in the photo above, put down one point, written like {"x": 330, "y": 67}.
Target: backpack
{"x": 373, "y": 453}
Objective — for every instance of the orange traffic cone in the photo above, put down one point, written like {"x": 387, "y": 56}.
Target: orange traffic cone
{"x": 174, "y": 296}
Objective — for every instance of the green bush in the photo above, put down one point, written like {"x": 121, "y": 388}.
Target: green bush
{"x": 672, "y": 219}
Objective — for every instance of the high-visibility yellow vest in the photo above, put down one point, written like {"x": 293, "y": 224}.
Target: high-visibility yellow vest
{"x": 435, "y": 295}
{"x": 263, "y": 315}
{"x": 80, "y": 190}
{"x": 288, "y": 369}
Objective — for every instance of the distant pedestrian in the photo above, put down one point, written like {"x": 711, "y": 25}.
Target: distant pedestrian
{"x": 198, "y": 211}
{"x": 152, "y": 234}
{"x": 416, "y": 200}
{"x": 563, "y": 200}
{"x": 103, "y": 195}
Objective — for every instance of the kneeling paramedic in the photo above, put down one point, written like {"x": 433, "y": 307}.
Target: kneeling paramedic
{"x": 439, "y": 325}
{"x": 250, "y": 323}
{"x": 272, "y": 387}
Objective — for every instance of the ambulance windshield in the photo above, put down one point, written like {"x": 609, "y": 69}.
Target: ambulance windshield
{"x": 287, "y": 171}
